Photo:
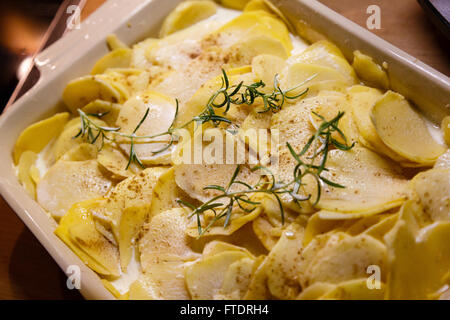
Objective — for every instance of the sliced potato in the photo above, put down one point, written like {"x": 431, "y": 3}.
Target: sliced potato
{"x": 114, "y": 162}
{"x": 186, "y": 14}
{"x": 362, "y": 99}
{"x": 316, "y": 291}
{"x": 205, "y": 278}
{"x": 445, "y": 126}
{"x": 369, "y": 71}
{"x": 79, "y": 92}
{"x": 39, "y": 134}
{"x": 166, "y": 193}
{"x": 265, "y": 67}
{"x": 413, "y": 252}
{"x": 343, "y": 259}
{"x": 234, "y": 4}
{"x": 69, "y": 182}
{"x": 443, "y": 162}
{"x": 108, "y": 110}
{"x": 118, "y": 58}
{"x": 403, "y": 130}
{"x": 81, "y": 152}
{"x": 266, "y": 5}
{"x": 27, "y": 160}
{"x": 433, "y": 190}
{"x": 326, "y": 54}
{"x": 77, "y": 230}
{"x": 237, "y": 279}
{"x": 372, "y": 184}
{"x": 161, "y": 112}
{"x": 114, "y": 42}
{"x": 355, "y": 290}
{"x": 67, "y": 141}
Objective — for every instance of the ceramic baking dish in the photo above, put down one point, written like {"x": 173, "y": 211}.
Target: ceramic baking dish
{"x": 133, "y": 20}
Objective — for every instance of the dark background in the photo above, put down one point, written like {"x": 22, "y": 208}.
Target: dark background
{"x": 22, "y": 25}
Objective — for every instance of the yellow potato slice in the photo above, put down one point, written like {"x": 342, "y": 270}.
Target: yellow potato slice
{"x": 309, "y": 74}
{"x": 354, "y": 290}
{"x": 81, "y": 152}
{"x": 256, "y": 25}
{"x": 266, "y": 5}
{"x": 166, "y": 193}
{"x": 109, "y": 110}
{"x": 336, "y": 103}
{"x": 27, "y": 160}
{"x": 317, "y": 226}
{"x": 433, "y": 190}
{"x": 237, "y": 279}
{"x": 264, "y": 230}
{"x": 216, "y": 246}
{"x": 114, "y": 42}
{"x": 118, "y": 58}
{"x": 414, "y": 252}
{"x": 343, "y": 259}
{"x": 234, "y": 4}
{"x": 265, "y": 67}
{"x": 362, "y": 99}
{"x": 79, "y": 92}
{"x": 369, "y": 71}
{"x": 445, "y": 126}
{"x": 114, "y": 162}
{"x": 39, "y": 134}
{"x": 372, "y": 184}
{"x": 205, "y": 278}
{"x": 326, "y": 54}
{"x": 69, "y": 182}
{"x": 283, "y": 261}
{"x": 77, "y": 230}
{"x": 403, "y": 130}
{"x": 186, "y": 14}
{"x": 316, "y": 291}
{"x": 164, "y": 278}
{"x": 160, "y": 116}
{"x": 67, "y": 141}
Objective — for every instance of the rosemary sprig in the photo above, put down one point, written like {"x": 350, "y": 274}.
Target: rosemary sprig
{"x": 321, "y": 142}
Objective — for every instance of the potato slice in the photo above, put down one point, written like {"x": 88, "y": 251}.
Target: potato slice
{"x": 445, "y": 126}
{"x": 403, "y": 130}
{"x": 166, "y": 193}
{"x": 81, "y": 152}
{"x": 308, "y": 74}
{"x": 109, "y": 110}
{"x": 266, "y": 5}
{"x": 362, "y": 99}
{"x": 326, "y": 54}
{"x": 283, "y": 261}
{"x": 39, "y": 134}
{"x": 316, "y": 291}
{"x": 162, "y": 279}
{"x": 186, "y": 14}
{"x": 343, "y": 259}
{"x": 354, "y": 290}
{"x": 114, "y": 162}
{"x": 69, "y": 182}
{"x": 81, "y": 91}
{"x": 413, "y": 252}
{"x": 372, "y": 184}
{"x": 114, "y": 42}
{"x": 27, "y": 160}
{"x": 237, "y": 279}
{"x": 433, "y": 190}
{"x": 265, "y": 67}
{"x": 205, "y": 278}
{"x": 369, "y": 71}
{"x": 160, "y": 117}
{"x": 234, "y": 4}
{"x": 118, "y": 58}
{"x": 67, "y": 141}
{"x": 77, "y": 230}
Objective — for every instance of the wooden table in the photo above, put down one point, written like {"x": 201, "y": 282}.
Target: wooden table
{"x": 26, "y": 269}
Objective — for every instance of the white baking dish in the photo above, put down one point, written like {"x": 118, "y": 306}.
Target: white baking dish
{"x": 133, "y": 20}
